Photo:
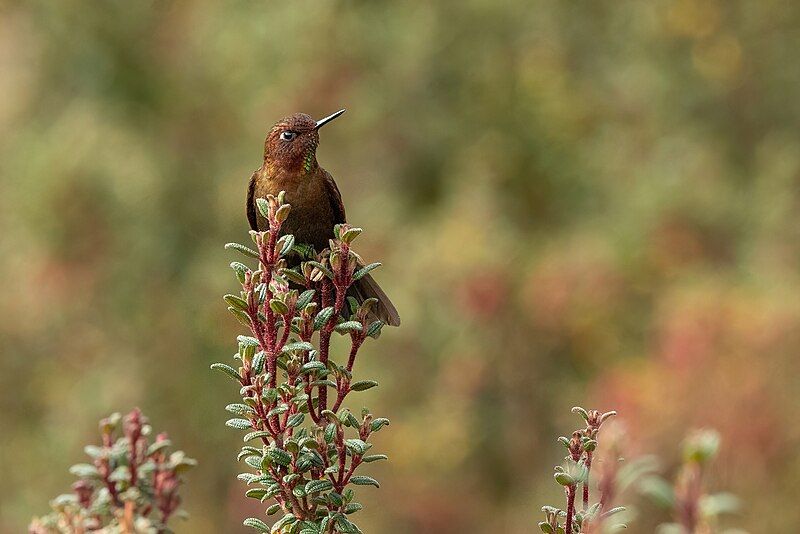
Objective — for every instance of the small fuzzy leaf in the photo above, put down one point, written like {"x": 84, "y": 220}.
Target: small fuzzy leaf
{"x": 374, "y": 458}
{"x": 240, "y": 269}
{"x": 297, "y": 278}
{"x": 304, "y": 298}
{"x": 263, "y": 207}
{"x": 239, "y": 424}
{"x": 323, "y": 317}
{"x": 295, "y": 420}
{"x": 363, "y": 385}
{"x": 361, "y": 480}
{"x": 227, "y": 369}
{"x": 364, "y": 270}
{"x": 280, "y": 456}
{"x": 348, "y": 326}
{"x": 318, "y": 485}
{"x": 253, "y": 522}
{"x": 256, "y": 434}
{"x": 247, "y": 251}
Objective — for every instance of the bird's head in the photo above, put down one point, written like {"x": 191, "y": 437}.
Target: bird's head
{"x": 292, "y": 143}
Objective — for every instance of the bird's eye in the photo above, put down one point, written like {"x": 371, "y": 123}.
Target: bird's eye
{"x": 288, "y": 136}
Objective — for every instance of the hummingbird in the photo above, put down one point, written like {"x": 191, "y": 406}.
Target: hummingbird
{"x": 290, "y": 164}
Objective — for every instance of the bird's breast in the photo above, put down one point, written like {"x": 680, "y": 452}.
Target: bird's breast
{"x": 311, "y": 218}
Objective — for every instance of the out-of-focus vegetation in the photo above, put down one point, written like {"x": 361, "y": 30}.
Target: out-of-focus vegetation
{"x": 576, "y": 202}
{"x": 130, "y": 483}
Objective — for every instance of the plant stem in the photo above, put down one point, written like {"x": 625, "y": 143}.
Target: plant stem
{"x": 570, "y": 508}
{"x": 586, "y": 483}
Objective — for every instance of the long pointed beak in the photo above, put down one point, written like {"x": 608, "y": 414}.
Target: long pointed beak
{"x": 329, "y": 118}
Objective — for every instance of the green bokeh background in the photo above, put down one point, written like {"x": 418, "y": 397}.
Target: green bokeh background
{"x": 575, "y": 202}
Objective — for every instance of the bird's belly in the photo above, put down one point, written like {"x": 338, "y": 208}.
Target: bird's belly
{"x": 311, "y": 217}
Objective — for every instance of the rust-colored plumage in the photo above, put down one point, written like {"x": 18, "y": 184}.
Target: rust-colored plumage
{"x": 290, "y": 164}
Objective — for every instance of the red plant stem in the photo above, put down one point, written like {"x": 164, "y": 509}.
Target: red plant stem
{"x": 356, "y": 344}
{"x": 344, "y": 386}
{"x": 324, "y": 344}
{"x": 586, "y": 483}
{"x": 570, "y": 508}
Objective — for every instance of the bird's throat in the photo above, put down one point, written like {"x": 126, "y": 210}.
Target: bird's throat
{"x": 309, "y": 161}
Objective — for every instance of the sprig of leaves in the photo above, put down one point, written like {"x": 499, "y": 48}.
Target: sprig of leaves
{"x": 129, "y": 484}
{"x": 573, "y": 474}
{"x": 302, "y": 448}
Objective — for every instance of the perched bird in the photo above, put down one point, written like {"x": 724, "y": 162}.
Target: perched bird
{"x": 290, "y": 164}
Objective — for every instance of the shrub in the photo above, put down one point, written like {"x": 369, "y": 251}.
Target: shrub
{"x": 131, "y": 484}
{"x": 303, "y": 447}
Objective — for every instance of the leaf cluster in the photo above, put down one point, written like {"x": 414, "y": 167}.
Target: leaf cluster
{"x": 302, "y": 447}
{"x": 129, "y": 484}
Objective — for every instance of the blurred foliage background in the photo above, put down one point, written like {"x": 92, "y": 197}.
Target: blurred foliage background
{"x": 586, "y": 203}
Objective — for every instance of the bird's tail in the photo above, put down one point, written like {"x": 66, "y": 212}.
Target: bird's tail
{"x": 365, "y": 288}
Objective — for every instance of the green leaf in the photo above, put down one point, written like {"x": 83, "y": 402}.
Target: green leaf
{"x": 256, "y": 493}
{"x": 323, "y": 317}
{"x": 353, "y": 507}
{"x": 278, "y": 410}
{"x": 269, "y": 395}
{"x": 347, "y": 418}
{"x": 286, "y": 520}
{"x": 582, "y": 412}
{"x": 239, "y": 424}
{"x": 613, "y": 511}
{"x": 378, "y": 423}
{"x": 564, "y": 479}
{"x": 236, "y": 302}
{"x": 374, "y": 458}
{"x": 361, "y": 480}
{"x": 84, "y": 471}
{"x": 280, "y": 456}
{"x": 374, "y": 330}
{"x": 278, "y": 307}
{"x": 273, "y": 509}
{"x": 348, "y": 326}
{"x": 364, "y": 270}
{"x": 246, "y": 452}
{"x": 350, "y": 234}
{"x": 304, "y": 298}
{"x": 240, "y": 269}
{"x": 253, "y": 522}
{"x": 363, "y": 385}
{"x": 98, "y": 452}
{"x": 345, "y": 526}
{"x": 158, "y": 446}
{"x": 263, "y": 207}
{"x": 241, "y": 248}
{"x": 318, "y": 485}
{"x": 249, "y": 341}
{"x": 258, "y": 361}
{"x": 313, "y": 366}
{"x": 356, "y": 446}
{"x": 297, "y": 278}
{"x": 227, "y": 369}
{"x": 297, "y": 345}
{"x": 295, "y": 420}
{"x": 239, "y": 409}
{"x": 241, "y": 316}
{"x": 286, "y": 243}
{"x": 256, "y": 434}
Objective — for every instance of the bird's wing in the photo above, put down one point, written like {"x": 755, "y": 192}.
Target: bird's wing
{"x": 252, "y": 216}
{"x": 335, "y": 198}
